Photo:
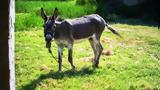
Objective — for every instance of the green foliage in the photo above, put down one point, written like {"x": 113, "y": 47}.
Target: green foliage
{"x": 28, "y": 12}
{"x": 86, "y": 2}
{"x": 101, "y": 9}
{"x": 44, "y": 0}
{"x": 25, "y": 21}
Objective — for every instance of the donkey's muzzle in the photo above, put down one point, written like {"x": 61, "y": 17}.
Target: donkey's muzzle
{"x": 48, "y": 39}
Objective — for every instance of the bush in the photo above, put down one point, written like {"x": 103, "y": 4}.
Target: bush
{"x": 85, "y": 2}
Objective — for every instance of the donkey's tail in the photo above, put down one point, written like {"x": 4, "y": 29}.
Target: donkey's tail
{"x": 113, "y": 30}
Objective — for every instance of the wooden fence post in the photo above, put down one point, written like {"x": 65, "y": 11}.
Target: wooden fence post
{"x": 7, "y": 72}
{"x": 11, "y": 44}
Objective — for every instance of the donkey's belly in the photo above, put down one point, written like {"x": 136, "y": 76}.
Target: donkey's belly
{"x": 82, "y": 31}
{"x": 80, "y": 36}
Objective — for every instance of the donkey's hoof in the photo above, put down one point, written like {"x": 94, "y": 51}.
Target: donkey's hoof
{"x": 73, "y": 69}
{"x": 59, "y": 71}
{"x": 95, "y": 65}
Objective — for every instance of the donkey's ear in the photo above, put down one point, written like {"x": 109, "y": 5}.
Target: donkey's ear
{"x": 43, "y": 15}
{"x": 55, "y": 14}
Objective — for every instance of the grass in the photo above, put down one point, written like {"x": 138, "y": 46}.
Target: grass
{"x": 28, "y": 12}
{"x": 67, "y": 9}
{"x": 134, "y": 65}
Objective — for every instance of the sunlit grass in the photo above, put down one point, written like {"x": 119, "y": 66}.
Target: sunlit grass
{"x": 135, "y": 63}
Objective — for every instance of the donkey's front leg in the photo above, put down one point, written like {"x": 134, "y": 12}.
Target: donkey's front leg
{"x": 60, "y": 53}
{"x": 70, "y": 59}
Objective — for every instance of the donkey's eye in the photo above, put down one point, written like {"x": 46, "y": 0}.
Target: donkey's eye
{"x": 54, "y": 26}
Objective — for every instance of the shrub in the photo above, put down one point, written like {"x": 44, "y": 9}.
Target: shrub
{"x": 86, "y": 2}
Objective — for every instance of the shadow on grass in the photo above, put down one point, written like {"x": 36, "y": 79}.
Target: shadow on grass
{"x": 58, "y": 75}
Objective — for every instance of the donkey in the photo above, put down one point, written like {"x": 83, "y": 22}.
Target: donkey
{"x": 65, "y": 32}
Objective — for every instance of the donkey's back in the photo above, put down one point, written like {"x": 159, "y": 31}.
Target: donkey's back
{"x": 86, "y": 26}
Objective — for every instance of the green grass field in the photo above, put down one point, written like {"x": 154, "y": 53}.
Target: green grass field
{"x": 28, "y": 12}
{"x": 133, "y": 65}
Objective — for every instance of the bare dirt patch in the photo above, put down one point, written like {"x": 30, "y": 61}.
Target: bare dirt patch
{"x": 108, "y": 52}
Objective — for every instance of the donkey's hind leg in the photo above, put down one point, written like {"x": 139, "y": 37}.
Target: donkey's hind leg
{"x": 97, "y": 49}
{"x": 93, "y": 46}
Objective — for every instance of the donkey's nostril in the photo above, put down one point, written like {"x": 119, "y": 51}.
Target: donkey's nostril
{"x": 48, "y": 37}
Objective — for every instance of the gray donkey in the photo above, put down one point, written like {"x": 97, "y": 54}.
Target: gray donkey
{"x": 66, "y": 31}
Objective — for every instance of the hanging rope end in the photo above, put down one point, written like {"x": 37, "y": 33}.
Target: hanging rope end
{"x": 49, "y": 50}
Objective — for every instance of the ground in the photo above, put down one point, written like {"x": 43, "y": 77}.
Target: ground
{"x": 133, "y": 61}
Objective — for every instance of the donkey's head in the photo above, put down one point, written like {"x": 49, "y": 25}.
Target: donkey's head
{"x": 49, "y": 26}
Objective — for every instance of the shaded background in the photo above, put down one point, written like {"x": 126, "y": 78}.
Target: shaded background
{"x": 119, "y": 9}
